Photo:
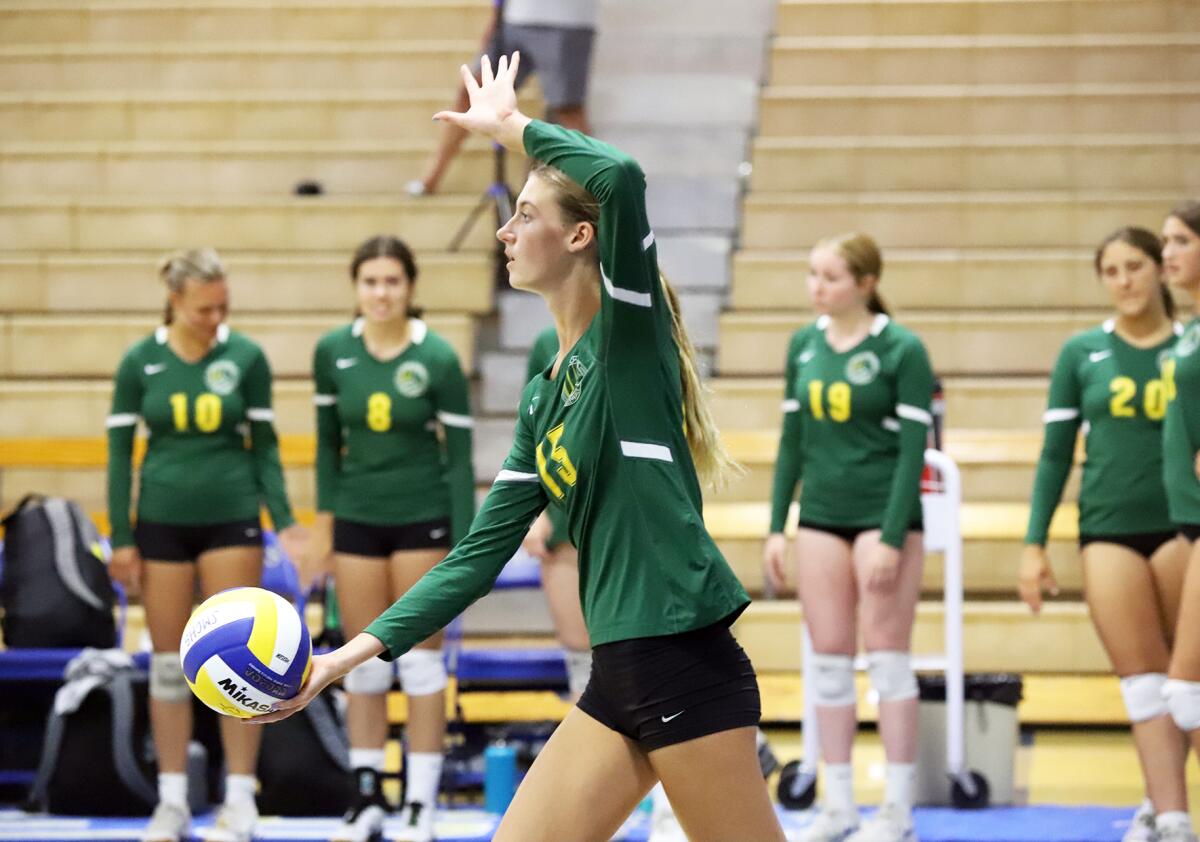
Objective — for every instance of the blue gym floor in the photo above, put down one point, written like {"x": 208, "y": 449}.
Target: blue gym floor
{"x": 1004, "y": 824}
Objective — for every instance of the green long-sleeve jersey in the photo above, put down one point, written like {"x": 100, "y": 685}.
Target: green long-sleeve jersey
{"x": 1181, "y": 427}
{"x": 1114, "y": 392}
{"x": 855, "y": 425}
{"x": 603, "y": 440}
{"x": 213, "y": 455}
{"x": 541, "y": 358}
{"x": 380, "y": 459}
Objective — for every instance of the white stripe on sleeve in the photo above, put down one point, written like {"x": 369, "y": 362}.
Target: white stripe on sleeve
{"x": 1053, "y": 415}
{"x": 914, "y": 413}
{"x": 260, "y": 414}
{"x": 648, "y": 241}
{"x": 125, "y": 419}
{"x": 629, "y": 296}
{"x": 791, "y": 405}
{"x": 646, "y": 450}
{"x": 325, "y": 400}
{"x": 515, "y": 476}
{"x": 450, "y": 419}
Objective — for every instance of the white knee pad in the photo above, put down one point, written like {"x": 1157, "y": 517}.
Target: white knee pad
{"x": 579, "y": 670}
{"x": 371, "y": 678}
{"x": 422, "y": 672}
{"x": 892, "y": 675}
{"x": 166, "y": 678}
{"x": 831, "y": 680}
{"x": 1143, "y": 695}
{"x": 1183, "y": 701}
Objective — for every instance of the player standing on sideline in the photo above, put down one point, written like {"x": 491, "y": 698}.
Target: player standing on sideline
{"x": 604, "y": 437}
{"x": 549, "y": 543}
{"x": 204, "y": 394}
{"x": 1181, "y": 462}
{"x": 858, "y": 391}
{"x": 1109, "y": 381}
{"x": 395, "y": 490}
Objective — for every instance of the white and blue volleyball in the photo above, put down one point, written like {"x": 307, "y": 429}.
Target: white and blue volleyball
{"x": 245, "y": 649}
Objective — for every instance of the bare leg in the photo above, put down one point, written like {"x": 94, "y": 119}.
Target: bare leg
{"x": 426, "y": 730}
{"x": 168, "y": 589}
{"x": 363, "y": 588}
{"x": 1185, "y": 657}
{"x": 887, "y": 620}
{"x": 716, "y": 788}
{"x": 234, "y": 567}
{"x": 1124, "y": 603}
{"x": 560, "y": 581}
{"x": 828, "y": 594}
{"x": 582, "y": 787}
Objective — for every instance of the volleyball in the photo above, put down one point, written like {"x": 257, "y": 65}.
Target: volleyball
{"x": 245, "y": 649}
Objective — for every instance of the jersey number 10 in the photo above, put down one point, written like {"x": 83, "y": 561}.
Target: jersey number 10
{"x": 207, "y": 411}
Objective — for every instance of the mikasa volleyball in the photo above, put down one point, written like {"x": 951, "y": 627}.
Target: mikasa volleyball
{"x": 245, "y": 649}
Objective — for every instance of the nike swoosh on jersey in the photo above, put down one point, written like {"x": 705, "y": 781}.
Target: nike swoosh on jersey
{"x": 346, "y": 362}
{"x": 1097, "y": 356}
{"x": 154, "y": 368}
{"x": 672, "y": 716}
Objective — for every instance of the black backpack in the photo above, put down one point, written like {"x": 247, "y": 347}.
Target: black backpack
{"x": 56, "y": 591}
{"x": 304, "y": 763}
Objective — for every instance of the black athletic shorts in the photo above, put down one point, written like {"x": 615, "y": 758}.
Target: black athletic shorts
{"x": 850, "y": 534}
{"x": 659, "y": 691}
{"x": 1144, "y": 544}
{"x": 176, "y": 542}
{"x": 354, "y": 538}
{"x": 1190, "y": 531}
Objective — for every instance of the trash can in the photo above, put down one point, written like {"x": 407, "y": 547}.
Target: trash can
{"x": 990, "y": 735}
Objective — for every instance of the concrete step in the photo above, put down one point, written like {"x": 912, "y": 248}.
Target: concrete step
{"x": 682, "y": 52}
{"x": 982, "y": 17}
{"x": 693, "y": 203}
{"x": 1001, "y": 403}
{"x": 91, "y": 346}
{"x": 666, "y": 150}
{"x": 1098, "y": 162}
{"x": 252, "y": 224}
{"x": 979, "y": 110}
{"x": 986, "y": 59}
{"x": 708, "y": 100}
{"x": 970, "y": 343}
{"x": 691, "y": 17}
{"x": 296, "y": 115}
{"x": 955, "y": 219}
{"x": 174, "y": 21}
{"x": 237, "y": 168}
{"x": 233, "y": 66}
{"x": 935, "y": 279}
{"x": 262, "y": 282}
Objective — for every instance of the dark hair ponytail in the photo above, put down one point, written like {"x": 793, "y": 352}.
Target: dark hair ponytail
{"x": 1146, "y": 242}
{"x": 1189, "y": 214}
{"x": 876, "y": 305}
{"x": 385, "y": 245}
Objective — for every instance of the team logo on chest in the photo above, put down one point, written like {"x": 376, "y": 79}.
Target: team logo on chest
{"x": 573, "y": 381}
{"x": 221, "y": 377}
{"x": 862, "y": 368}
{"x": 1189, "y": 342}
{"x": 412, "y": 379}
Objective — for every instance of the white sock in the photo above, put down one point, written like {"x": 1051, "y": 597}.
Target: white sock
{"x": 240, "y": 788}
{"x": 899, "y": 782}
{"x": 1173, "y": 820}
{"x": 422, "y": 772}
{"x": 367, "y": 758}
{"x": 839, "y": 786}
{"x": 172, "y": 788}
{"x": 579, "y": 670}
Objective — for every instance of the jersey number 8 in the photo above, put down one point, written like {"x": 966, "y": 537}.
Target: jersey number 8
{"x": 379, "y": 412}
{"x": 207, "y": 411}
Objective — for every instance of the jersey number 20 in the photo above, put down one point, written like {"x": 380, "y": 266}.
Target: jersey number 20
{"x": 1154, "y": 400}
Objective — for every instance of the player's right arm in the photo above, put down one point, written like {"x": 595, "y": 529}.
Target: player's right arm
{"x": 789, "y": 463}
{"x": 1061, "y": 421}
{"x": 328, "y": 458}
{"x": 121, "y": 426}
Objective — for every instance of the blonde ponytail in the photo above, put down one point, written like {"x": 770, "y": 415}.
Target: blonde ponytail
{"x": 714, "y": 466}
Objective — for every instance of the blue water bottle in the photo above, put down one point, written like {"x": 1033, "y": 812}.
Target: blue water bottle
{"x": 499, "y": 777}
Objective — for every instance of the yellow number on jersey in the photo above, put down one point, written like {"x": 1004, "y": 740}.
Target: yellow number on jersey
{"x": 379, "y": 412}
{"x": 1154, "y": 402}
{"x": 1168, "y": 378}
{"x": 563, "y": 467}
{"x": 1123, "y": 389}
{"x": 207, "y": 411}
{"x": 838, "y": 395}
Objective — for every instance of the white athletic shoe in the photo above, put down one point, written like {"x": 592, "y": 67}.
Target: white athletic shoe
{"x": 1178, "y": 833}
{"x": 1141, "y": 826}
{"x": 664, "y": 827}
{"x": 169, "y": 823}
{"x": 363, "y": 823}
{"x": 416, "y": 823}
{"x": 829, "y": 826}
{"x": 234, "y": 823}
{"x": 415, "y": 188}
{"x": 890, "y": 823}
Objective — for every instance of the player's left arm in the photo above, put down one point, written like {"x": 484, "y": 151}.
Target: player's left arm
{"x": 914, "y": 399}
{"x": 452, "y": 404}
{"x": 264, "y": 443}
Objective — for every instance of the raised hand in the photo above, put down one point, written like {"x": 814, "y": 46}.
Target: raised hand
{"x": 493, "y": 102}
